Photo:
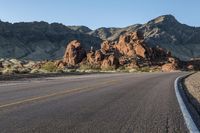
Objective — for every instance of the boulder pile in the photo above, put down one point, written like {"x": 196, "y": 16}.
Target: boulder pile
{"x": 129, "y": 51}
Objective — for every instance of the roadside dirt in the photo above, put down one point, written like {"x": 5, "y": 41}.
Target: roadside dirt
{"x": 192, "y": 84}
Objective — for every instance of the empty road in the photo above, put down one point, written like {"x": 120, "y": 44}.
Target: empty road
{"x": 99, "y": 103}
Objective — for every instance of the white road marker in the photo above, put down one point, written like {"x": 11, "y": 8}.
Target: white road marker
{"x": 188, "y": 119}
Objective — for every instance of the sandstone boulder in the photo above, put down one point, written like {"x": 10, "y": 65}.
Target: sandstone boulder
{"x": 169, "y": 67}
{"x": 91, "y": 57}
{"x": 190, "y": 67}
{"x": 107, "y": 47}
{"x": 131, "y": 44}
{"x": 98, "y": 56}
{"x": 74, "y": 53}
{"x": 133, "y": 64}
{"x": 110, "y": 62}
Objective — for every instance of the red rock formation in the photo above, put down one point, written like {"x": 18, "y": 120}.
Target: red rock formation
{"x": 74, "y": 53}
{"x": 131, "y": 45}
{"x": 129, "y": 51}
{"x": 98, "y": 56}
{"x": 91, "y": 57}
{"x": 109, "y": 62}
{"x": 169, "y": 67}
{"x": 105, "y": 47}
{"x": 140, "y": 50}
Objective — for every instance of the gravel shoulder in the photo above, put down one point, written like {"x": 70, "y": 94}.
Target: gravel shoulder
{"x": 192, "y": 84}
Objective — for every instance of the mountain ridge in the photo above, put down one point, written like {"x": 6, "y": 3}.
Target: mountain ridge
{"x": 41, "y": 40}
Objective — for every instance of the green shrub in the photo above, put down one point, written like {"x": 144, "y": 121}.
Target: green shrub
{"x": 143, "y": 69}
{"x": 110, "y": 68}
{"x": 49, "y": 66}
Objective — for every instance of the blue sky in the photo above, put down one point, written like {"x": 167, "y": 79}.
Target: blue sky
{"x": 99, "y": 13}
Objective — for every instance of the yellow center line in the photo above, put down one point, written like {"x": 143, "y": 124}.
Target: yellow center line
{"x": 56, "y": 94}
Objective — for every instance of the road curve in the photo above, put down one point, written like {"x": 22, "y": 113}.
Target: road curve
{"x": 99, "y": 103}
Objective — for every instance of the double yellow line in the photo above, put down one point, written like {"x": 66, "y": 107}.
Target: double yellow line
{"x": 81, "y": 89}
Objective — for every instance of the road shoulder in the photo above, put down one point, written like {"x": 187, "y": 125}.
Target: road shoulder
{"x": 190, "y": 114}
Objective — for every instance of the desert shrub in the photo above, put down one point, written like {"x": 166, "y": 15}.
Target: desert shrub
{"x": 49, "y": 66}
{"x": 109, "y": 68}
{"x": 59, "y": 71}
{"x": 143, "y": 69}
{"x": 121, "y": 68}
{"x": 88, "y": 66}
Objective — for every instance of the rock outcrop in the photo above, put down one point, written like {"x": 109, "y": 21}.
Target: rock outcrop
{"x": 169, "y": 67}
{"x": 74, "y": 53}
{"x": 109, "y": 63}
{"x": 130, "y": 51}
{"x": 164, "y": 31}
{"x": 131, "y": 44}
{"x": 172, "y": 65}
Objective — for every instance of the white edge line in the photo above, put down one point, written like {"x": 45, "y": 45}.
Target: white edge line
{"x": 187, "y": 117}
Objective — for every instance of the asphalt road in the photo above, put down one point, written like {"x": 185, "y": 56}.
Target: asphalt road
{"x": 104, "y": 103}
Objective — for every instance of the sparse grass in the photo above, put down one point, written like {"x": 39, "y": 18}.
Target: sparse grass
{"x": 89, "y": 67}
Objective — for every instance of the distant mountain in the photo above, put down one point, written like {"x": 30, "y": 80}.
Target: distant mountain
{"x": 113, "y": 34}
{"x": 82, "y": 29}
{"x": 182, "y": 40}
{"x": 40, "y": 40}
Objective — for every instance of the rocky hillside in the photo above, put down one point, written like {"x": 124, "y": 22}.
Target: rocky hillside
{"x": 40, "y": 40}
{"x": 182, "y": 40}
{"x": 165, "y": 31}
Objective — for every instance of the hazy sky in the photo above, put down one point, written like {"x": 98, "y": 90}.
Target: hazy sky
{"x": 99, "y": 13}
